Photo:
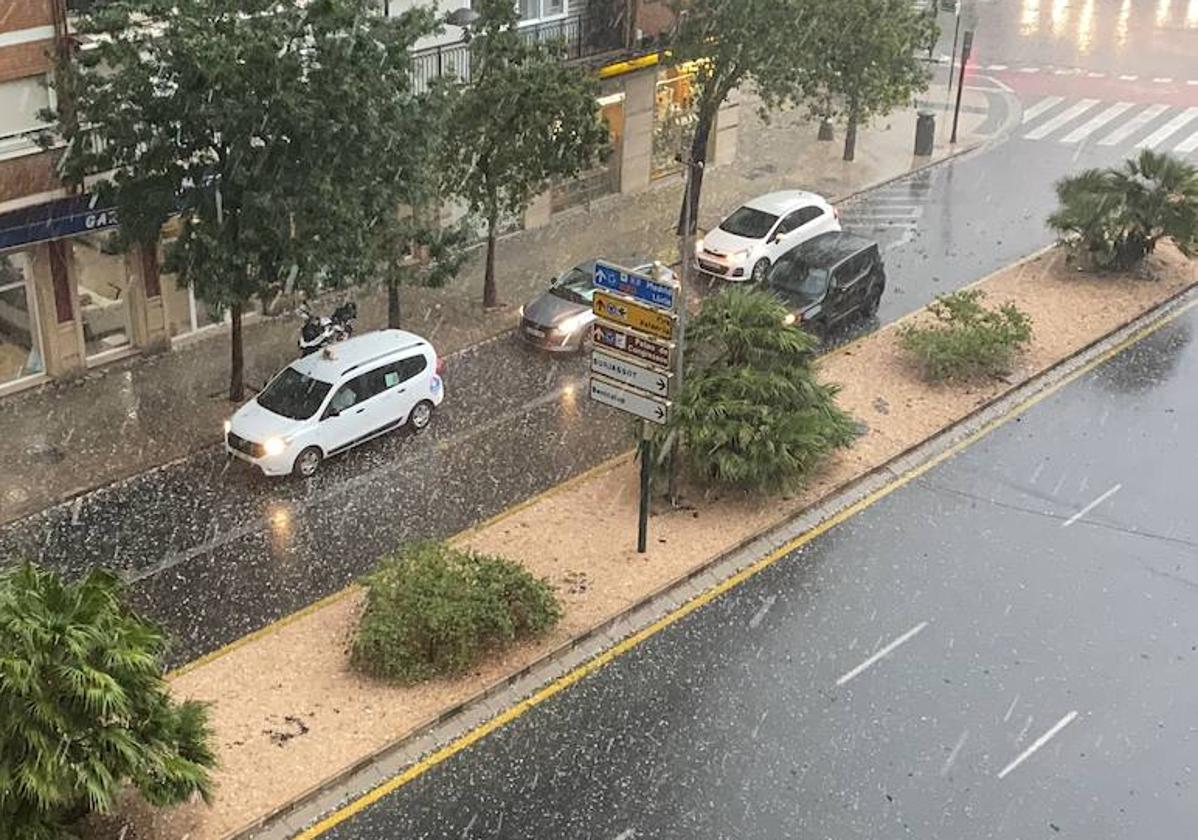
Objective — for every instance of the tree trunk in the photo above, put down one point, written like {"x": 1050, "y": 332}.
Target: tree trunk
{"x": 237, "y": 362}
{"x": 393, "y": 303}
{"x": 698, "y": 153}
{"x": 490, "y": 294}
{"x": 850, "y": 134}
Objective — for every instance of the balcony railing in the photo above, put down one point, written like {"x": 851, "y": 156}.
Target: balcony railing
{"x": 579, "y": 36}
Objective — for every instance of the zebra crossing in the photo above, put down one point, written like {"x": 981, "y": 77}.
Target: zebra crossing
{"x": 890, "y": 214}
{"x": 1156, "y": 126}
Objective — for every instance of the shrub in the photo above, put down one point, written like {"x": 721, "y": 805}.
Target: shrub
{"x": 431, "y": 609}
{"x": 966, "y": 339}
{"x": 1111, "y": 219}
{"x": 83, "y": 706}
{"x": 752, "y": 413}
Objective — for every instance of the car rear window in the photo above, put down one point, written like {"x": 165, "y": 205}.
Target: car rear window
{"x": 749, "y": 223}
{"x": 294, "y": 395}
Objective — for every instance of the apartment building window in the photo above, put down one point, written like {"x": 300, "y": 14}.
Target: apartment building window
{"x": 21, "y": 100}
{"x": 534, "y": 10}
{"x": 20, "y": 348}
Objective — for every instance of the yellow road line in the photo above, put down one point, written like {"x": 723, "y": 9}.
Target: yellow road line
{"x": 278, "y": 624}
{"x": 593, "y": 665}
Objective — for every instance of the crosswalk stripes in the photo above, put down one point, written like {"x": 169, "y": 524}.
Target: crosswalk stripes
{"x": 1041, "y": 106}
{"x": 1067, "y": 116}
{"x": 1133, "y": 125}
{"x": 1095, "y": 123}
{"x": 1168, "y": 129}
{"x": 890, "y": 212}
{"x": 1142, "y": 125}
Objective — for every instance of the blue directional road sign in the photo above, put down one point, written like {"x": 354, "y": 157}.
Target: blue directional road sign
{"x": 637, "y": 286}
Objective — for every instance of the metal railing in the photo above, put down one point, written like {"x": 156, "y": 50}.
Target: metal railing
{"x": 578, "y": 36}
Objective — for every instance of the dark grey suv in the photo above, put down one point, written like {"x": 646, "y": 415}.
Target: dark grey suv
{"x": 829, "y": 279}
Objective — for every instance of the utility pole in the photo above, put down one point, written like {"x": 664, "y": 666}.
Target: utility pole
{"x": 966, "y": 48}
{"x": 687, "y": 255}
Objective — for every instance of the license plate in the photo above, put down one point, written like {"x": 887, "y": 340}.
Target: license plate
{"x": 535, "y": 331}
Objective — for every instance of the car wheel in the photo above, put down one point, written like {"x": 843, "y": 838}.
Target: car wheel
{"x": 760, "y": 269}
{"x": 308, "y": 462}
{"x": 421, "y": 415}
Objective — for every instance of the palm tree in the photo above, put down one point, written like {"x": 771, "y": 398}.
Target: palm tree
{"x": 752, "y": 413}
{"x": 1113, "y": 218}
{"x": 83, "y": 706}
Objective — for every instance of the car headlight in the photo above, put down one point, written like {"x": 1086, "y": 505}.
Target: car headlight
{"x": 520, "y": 312}
{"x": 228, "y": 426}
{"x": 789, "y": 319}
{"x": 274, "y": 446}
{"x": 699, "y": 243}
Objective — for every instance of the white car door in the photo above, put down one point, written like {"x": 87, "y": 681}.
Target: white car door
{"x": 402, "y": 383}
{"x": 349, "y": 415}
{"x": 783, "y": 238}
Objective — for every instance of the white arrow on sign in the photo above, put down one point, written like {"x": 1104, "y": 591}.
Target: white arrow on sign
{"x": 630, "y": 373}
{"x": 609, "y": 393}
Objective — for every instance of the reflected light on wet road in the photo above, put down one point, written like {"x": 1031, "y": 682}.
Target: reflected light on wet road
{"x": 1121, "y": 24}
{"x": 280, "y": 528}
{"x": 1060, "y": 15}
{"x": 1085, "y": 27}
{"x": 570, "y": 399}
{"x": 1162, "y": 12}
{"x": 1029, "y": 21}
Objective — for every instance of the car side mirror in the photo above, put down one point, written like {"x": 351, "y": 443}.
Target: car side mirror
{"x": 552, "y": 282}
{"x": 332, "y": 412}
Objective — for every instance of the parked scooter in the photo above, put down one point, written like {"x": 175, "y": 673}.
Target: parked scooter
{"x": 319, "y": 331}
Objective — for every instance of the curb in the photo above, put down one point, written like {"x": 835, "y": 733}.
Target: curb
{"x": 1061, "y": 372}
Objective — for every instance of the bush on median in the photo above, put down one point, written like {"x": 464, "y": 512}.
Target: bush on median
{"x": 753, "y": 414}
{"x": 432, "y": 609}
{"x": 84, "y": 709}
{"x": 966, "y": 340}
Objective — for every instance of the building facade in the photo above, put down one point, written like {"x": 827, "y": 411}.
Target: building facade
{"x": 70, "y": 300}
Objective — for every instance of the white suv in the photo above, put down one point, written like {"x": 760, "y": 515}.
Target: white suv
{"x": 330, "y": 401}
{"x": 746, "y": 243}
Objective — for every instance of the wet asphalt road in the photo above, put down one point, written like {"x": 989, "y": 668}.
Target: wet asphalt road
{"x": 215, "y": 551}
{"x": 1043, "y": 582}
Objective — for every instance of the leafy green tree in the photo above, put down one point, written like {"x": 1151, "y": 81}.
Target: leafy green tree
{"x": 524, "y": 121}
{"x": 865, "y": 61}
{"x": 730, "y": 44}
{"x": 260, "y": 122}
{"x": 752, "y": 413}
{"x": 1113, "y": 218}
{"x": 83, "y": 706}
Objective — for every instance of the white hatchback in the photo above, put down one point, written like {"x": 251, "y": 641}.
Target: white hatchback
{"x": 330, "y": 401}
{"x": 746, "y": 243}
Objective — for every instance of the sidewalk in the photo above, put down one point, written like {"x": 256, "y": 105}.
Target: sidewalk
{"x": 67, "y": 438}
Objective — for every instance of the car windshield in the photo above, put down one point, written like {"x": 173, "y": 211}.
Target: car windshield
{"x": 294, "y": 395}
{"x": 749, "y": 223}
{"x": 797, "y": 282}
{"x": 576, "y": 285}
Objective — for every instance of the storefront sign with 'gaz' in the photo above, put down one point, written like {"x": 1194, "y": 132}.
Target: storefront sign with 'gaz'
{"x": 659, "y": 353}
{"x": 629, "y": 313}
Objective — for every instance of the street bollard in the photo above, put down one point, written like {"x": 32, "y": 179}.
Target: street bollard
{"x": 925, "y": 133}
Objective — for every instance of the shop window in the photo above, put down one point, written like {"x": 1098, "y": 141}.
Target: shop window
{"x": 185, "y": 312}
{"x": 20, "y": 346}
{"x": 103, "y": 293}
{"x": 674, "y": 119}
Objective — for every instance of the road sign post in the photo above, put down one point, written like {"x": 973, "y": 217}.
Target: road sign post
{"x": 966, "y": 49}
{"x": 636, "y": 318}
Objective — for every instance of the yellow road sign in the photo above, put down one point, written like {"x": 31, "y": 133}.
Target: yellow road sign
{"x": 619, "y": 310}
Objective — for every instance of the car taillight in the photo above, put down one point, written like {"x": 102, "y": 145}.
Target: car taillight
{"x": 836, "y": 214}
{"x": 440, "y": 367}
